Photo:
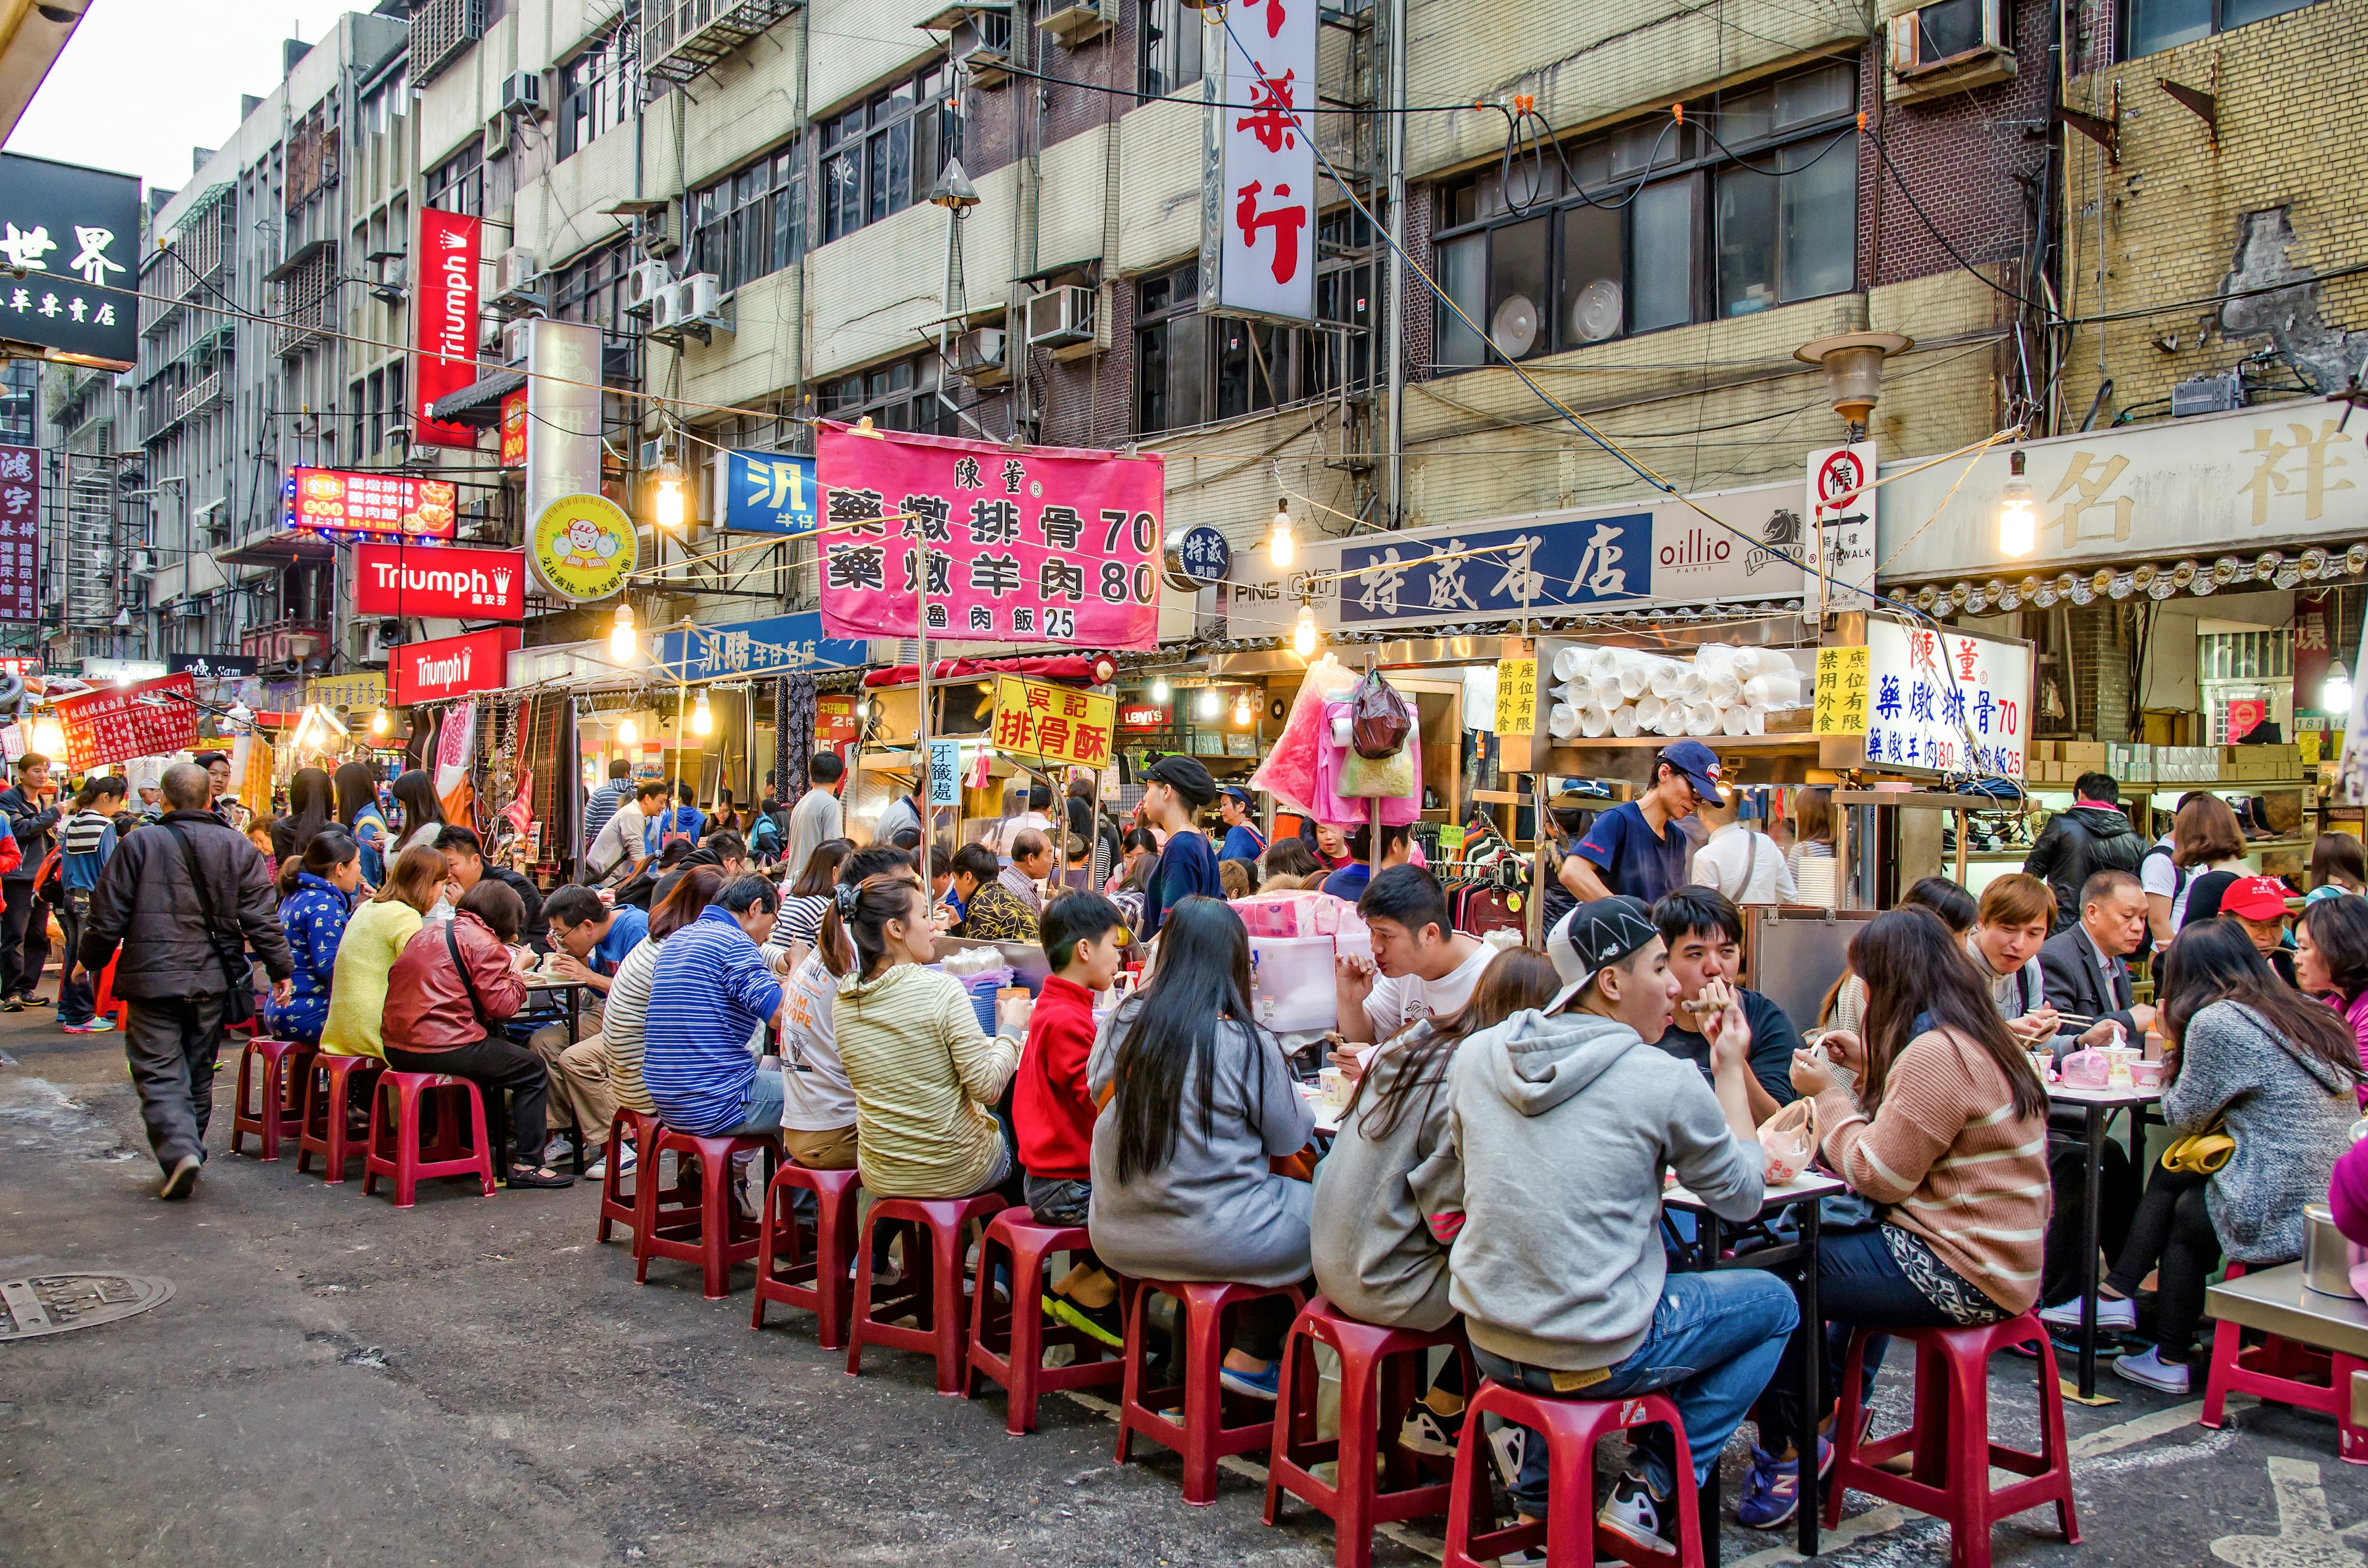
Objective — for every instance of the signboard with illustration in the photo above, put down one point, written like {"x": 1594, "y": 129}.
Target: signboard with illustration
{"x": 472, "y": 585}
{"x": 585, "y": 547}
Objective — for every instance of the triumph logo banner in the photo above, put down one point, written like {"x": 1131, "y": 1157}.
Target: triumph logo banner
{"x": 452, "y": 666}
{"x": 472, "y": 585}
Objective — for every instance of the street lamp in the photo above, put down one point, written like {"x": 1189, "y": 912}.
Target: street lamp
{"x": 1279, "y": 543}
{"x": 1159, "y": 688}
{"x": 2335, "y": 694}
{"x": 701, "y": 720}
{"x": 668, "y": 502}
{"x": 628, "y": 732}
{"x": 1304, "y": 635}
{"x": 622, "y": 643}
{"x": 2018, "y": 524}
{"x": 381, "y": 722}
{"x": 1211, "y": 703}
{"x": 1853, "y": 365}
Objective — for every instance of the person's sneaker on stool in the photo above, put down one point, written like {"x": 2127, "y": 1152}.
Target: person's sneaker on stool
{"x": 1771, "y": 1492}
{"x": 1261, "y": 1383}
{"x": 1633, "y": 1512}
{"x": 2151, "y": 1370}
{"x": 1428, "y": 1432}
{"x": 2113, "y": 1312}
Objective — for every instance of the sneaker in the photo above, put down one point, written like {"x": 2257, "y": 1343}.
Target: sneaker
{"x": 558, "y": 1148}
{"x": 1771, "y": 1492}
{"x": 1634, "y": 1513}
{"x": 2151, "y": 1370}
{"x": 599, "y": 1169}
{"x": 93, "y": 1026}
{"x": 36, "y": 1001}
{"x": 182, "y": 1179}
{"x": 1101, "y": 1325}
{"x": 2116, "y": 1312}
{"x": 12, "y": 1003}
{"x": 1506, "y": 1444}
{"x": 1254, "y": 1385}
{"x": 1426, "y": 1431}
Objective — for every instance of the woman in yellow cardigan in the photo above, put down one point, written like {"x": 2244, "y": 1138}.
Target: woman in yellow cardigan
{"x": 374, "y": 937}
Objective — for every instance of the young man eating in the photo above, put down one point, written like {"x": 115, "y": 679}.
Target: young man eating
{"x": 1421, "y": 968}
{"x": 1704, "y": 934}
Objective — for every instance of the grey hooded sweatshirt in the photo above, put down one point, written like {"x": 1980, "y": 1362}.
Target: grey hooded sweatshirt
{"x": 1374, "y": 1254}
{"x": 1563, "y": 1126}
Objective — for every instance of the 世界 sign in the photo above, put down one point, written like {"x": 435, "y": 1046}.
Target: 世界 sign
{"x": 444, "y": 320}
{"x": 1258, "y": 203}
{"x": 451, "y": 666}
{"x": 442, "y": 580}
{"x": 72, "y": 237}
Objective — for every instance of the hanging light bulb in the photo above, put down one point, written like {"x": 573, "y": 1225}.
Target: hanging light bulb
{"x": 1280, "y": 543}
{"x": 1304, "y": 636}
{"x": 2335, "y": 696}
{"x": 2018, "y": 523}
{"x": 628, "y": 732}
{"x": 667, "y": 502}
{"x": 381, "y": 722}
{"x": 1159, "y": 688}
{"x": 1243, "y": 712}
{"x": 701, "y": 720}
{"x": 621, "y": 644}
{"x": 1210, "y": 704}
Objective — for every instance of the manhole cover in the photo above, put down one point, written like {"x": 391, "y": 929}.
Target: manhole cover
{"x": 54, "y": 1304}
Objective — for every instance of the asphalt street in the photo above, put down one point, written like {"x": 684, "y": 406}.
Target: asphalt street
{"x": 478, "y": 1382}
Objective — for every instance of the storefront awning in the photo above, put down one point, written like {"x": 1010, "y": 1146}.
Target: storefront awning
{"x": 479, "y": 403}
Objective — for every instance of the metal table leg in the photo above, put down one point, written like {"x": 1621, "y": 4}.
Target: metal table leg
{"x": 1806, "y": 1440}
{"x": 2093, "y": 1141}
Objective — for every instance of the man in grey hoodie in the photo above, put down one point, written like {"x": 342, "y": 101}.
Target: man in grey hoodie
{"x": 1563, "y": 1121}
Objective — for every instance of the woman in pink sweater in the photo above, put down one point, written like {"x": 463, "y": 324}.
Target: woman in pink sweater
{"x": 1946, "y": 1132}
{"x": 2331, "y": 962}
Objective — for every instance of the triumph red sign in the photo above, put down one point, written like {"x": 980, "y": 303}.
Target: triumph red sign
{"x": 444, "y": 318}
{"x": 452, "y": 666}
{"x": 472, "y": 585}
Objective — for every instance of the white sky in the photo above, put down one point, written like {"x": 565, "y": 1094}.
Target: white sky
{"x": 144, "y": 81}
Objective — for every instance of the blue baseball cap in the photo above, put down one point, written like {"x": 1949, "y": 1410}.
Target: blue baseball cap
{"x": 1699, "y": 764}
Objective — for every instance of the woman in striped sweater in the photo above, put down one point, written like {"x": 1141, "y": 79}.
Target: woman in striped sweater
{"x": 1947, "y": 1133}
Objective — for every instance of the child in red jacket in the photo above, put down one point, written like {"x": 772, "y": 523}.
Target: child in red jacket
{"x": 1053, "y": 1111}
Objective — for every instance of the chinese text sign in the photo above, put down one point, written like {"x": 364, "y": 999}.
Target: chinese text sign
{"x": 150, "y": 719}
{"x": 1058, "y": 723}
{"x": 988, "y": 543}
{"x": 945, "y": 773}
{"x": 1517, "y": 697}
{"x": 766, "y": 493}
{"x": 1258, "y": 237}
{"x": 452, "y": 666}
{"x": 20, "y": 533}
{"x": 1931, "y": 696}
{"x": 772, "y": 646}
{"x": 72, "y": 236}
{"x": 1840, "y": 707}
{"x": 473, "y": 585}
{"x": 1500, "y": 571}
{"x": 391, "y": 505}
{"x": 444, "y": 320}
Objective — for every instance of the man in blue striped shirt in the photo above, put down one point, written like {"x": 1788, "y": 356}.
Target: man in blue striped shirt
{"x": 711, "y": 992}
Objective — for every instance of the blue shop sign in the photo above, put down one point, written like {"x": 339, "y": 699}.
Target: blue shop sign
{"x": 780, "y": 645}
{"x": 1198, "y": 558}
{"x": 1579, "y": 564}
{"x": 767, "y": 492}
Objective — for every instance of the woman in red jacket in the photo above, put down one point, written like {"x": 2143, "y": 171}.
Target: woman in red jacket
{"x": 452, "y": 984}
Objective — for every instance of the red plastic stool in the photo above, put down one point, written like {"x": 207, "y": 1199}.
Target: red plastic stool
{"x": 1951, "y": 1438}
{"x": 673, "y": 1224}
{"x": 618, "y": 1207}
{"x": 1008, "y": 1343}
{"x": 282, "y": 1091}
{"x": 2285, "y": 1371}
{"x": 931, "y": 1292}
{"x": 1380, "y": 1376}
{"x": 394, "y": 1144}
{"x": 1571, "y": 1428}
{"x": 1203, "y": 1438}
{"x": 331, "y": 1082}
{"x": 806, "y": 1265}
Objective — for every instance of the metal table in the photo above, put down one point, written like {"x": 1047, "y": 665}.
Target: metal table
{"x": 1712, "y": 1236}
{"x": 2097, "y": 1107}
{"x": 573, "y": 991}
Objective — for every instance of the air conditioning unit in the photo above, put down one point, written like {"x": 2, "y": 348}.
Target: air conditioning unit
{"x": 517, "y": 282}
{"x": 369, "y": 641}
{"x": 190, "y": 609}
{"x": 644, "y": 284}
{"x": 143, "y": 564}
{"x": 702, "y": 298}
{"x": 515, "y": 339}
{"x": 1951, "y": 46}
{"x": 653, "y": 231}
{"x": 522, "y": 93}
{"x": 979, "y": 358}
{"x": 1079, "y": 22}
{"x": 2207, "y": 394}
{"x": 1062, "y": 318}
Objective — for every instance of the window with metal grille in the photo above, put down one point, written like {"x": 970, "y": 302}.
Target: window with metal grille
{"x": 881, "y": 156}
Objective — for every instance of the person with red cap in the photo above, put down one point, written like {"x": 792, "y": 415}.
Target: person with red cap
{"x": 2259, "y": 904}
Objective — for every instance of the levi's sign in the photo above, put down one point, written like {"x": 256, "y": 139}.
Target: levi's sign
{"x": 452, "y": 666}
{"x": 473, "y": 585}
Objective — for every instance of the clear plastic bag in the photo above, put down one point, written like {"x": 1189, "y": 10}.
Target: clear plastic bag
{"x": 1788, "y": 1140}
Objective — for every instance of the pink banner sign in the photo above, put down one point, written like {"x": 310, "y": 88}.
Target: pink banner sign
{"x": 1034, "y": 544}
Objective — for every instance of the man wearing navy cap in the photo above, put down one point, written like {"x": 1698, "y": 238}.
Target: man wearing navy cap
{"x": 1635, "y": 847}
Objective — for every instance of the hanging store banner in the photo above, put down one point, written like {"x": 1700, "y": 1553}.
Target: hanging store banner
{"x": 1841, "y": 516}
{"x": 371, "y": 505}
{"x": 152, "y": 718}
{"x": 444, "y": 320}
{"x": 562, "y": 412}
{"x": 70, "y": 235}
{"x": 1257, "y": 196}
{"x": 766, "y": 493}
{"x": 584, "y": 547}
{"x": 20, "y": 533}
{"x": 1054, "y": 723}
{"x": 472, "y": 585}
{"x": 777, "y": 646}
{"x": 451, "y": 666}
{"x": 1615, "y": 558}
{"x": 1040, "y": 544}
{"x": 513, "y": 430}
{"x": 1949, "y": 703}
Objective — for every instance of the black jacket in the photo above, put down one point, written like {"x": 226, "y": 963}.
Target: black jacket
{"x": 31, "y": 823}
{"x": 2075, "y": 846}
{"x": 2075, "y": 983}
{"x": 144, "y": 903}
{"x": 535, "y": 932}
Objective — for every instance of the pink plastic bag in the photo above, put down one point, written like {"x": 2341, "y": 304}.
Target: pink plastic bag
{"x": 2088, "y": 1069}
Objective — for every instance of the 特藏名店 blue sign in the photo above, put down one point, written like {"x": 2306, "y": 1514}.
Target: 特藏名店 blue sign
{"x": 1600, "y": 561}
{"x": 69, "y": 237}
{"x": 782, "y": 645}
{"x": 767, "y": 492}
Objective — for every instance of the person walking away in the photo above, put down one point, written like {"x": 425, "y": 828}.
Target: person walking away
{"x": 30, "y": 806}
{"x": 2205, "y": 837}
{"x": 316, "y": 899}
{"x": 1635, "y": 847}
{"x": 446, "y": 1000}
{"x": 1200, "y": 1102}
{"x": 358, "y": 808}
{"x": 2094, "y": 835}
{"x": 183, "y": 900}
{"x": 1174, "y": 788}
{"x": 817, "y": 815}
{"x": 2253, "y": 1059}
{"x": 603, "y": 802}
{"x": 1370, "y": 1241}
{"x": 2336, "y": 867}
{"x": 1813, "y": 828}
{"x": 1946, "y": 1132}
{"x": 899, "y": 815}
{"x": 374, "y": 937}
{"x": 86, "y": 840}
{"x": 2331, "y": 963}
{"x": 1562, "y": 1126}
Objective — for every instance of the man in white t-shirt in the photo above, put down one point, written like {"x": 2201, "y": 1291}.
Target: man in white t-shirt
{"x": 1422, "y": 967}
{"x": 1742, "y": 865}
{"x": 617, "y": 852}
{"x": 817, "y": 818}
{"x": 2166, "y": 885}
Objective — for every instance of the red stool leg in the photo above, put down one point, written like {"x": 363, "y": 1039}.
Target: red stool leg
{"x": 1968, "y": 1437}
{"x": 1204, "y": 1401}
{"x": 1353, "y": 1526}
{"x": 835, "y": 1222}
{"x": 1849, "y": 1421}
{"x": 1570, "y": 1496}
{"x": 715, "y": 1229}
{"x": 2054, "y": 1451}
{"x": 862, "y": 1312}
{"x": 1131, "y": 1381}
{"x": 239, "y": 1120}
{"x": 947, "y": 1319}
{"x": 484, "y": 1146}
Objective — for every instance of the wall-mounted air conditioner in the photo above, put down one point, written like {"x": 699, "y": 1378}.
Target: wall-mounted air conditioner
{"x": 644, "y": 284}
{"x": 517, "y": 283}
{"x": 1061, "y": 318}
{"x": 980, "y": 358}
{"x": 522, "y": 93}
{"x": 1951, "y": 46}
{"x": 653, "y": 231}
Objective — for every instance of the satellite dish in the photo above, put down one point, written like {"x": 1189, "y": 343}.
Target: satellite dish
{"x": 1596, "y": 315}
{"x": 1514, "y": 327}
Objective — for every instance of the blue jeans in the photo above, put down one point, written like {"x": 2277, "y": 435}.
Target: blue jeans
{"x": 1715, "y": 1339}
{"x": 766, "y": 1096}
{"x": 1859, "y": 1285}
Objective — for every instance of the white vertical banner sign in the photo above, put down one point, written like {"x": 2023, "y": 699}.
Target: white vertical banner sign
{"x": 1842, "y": 513}
{"x": 1258, "y": 198}
{"x": 562, "y": 408}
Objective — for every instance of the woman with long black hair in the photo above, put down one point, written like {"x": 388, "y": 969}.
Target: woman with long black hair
{"x": 2254, "y": 1057}
{"x": 1202, "y": 1100}
{"x": 311, "y": 806}
{"x": 423, "y": 814}
{"x": 357, "y": 810}
{"x": 2331, "y": 962}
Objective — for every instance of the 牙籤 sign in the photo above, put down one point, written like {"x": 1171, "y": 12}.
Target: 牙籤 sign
{"x": 452, "y": 666}
{"x": 472, "y": 585}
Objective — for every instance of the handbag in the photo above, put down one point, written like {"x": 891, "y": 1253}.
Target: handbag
{"x": 238, "y": 1002}
{"x": 2200, "y": 1153}
{"x": 1378, "y": 719}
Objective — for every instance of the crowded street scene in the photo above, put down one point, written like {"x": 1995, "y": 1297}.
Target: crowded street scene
{"x": 1169, "y": 783}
